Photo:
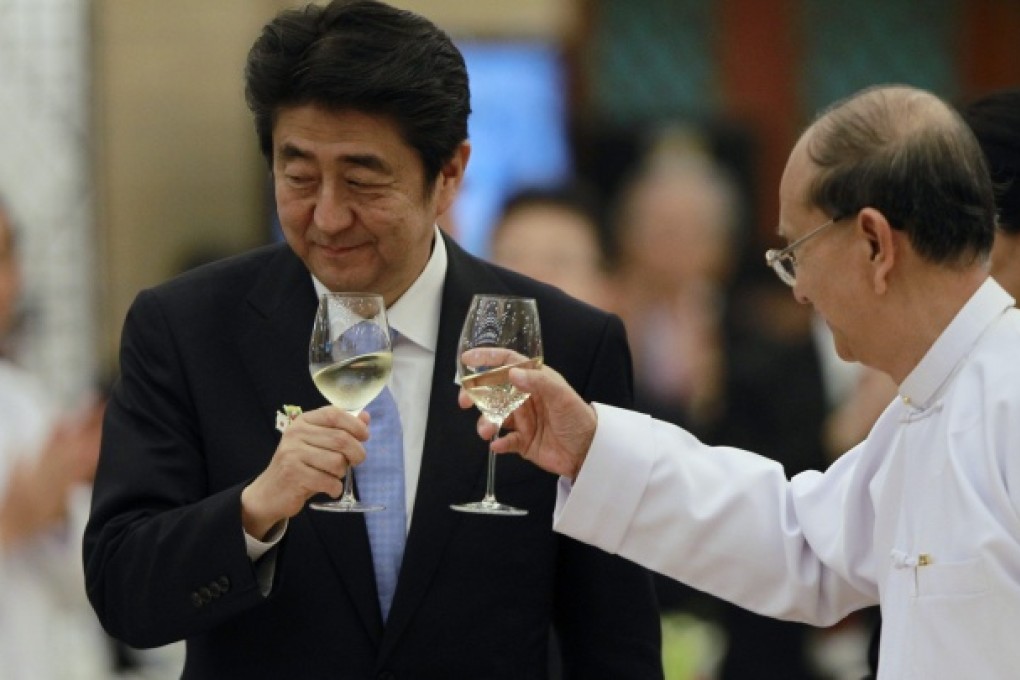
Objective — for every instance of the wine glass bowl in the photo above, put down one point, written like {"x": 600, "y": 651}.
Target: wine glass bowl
{"x": 489, "y": 386}
{"x": 500, "y": 332}
{"x": 350, "y": 359}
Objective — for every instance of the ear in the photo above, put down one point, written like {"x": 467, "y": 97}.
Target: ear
{"x": 451, "y": 176}
{"x": 882, "y": 242}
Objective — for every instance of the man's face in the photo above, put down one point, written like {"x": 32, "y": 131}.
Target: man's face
{"x": 351, "y": 200}
{"x": 677, "y": 232}
{"x": 826, "y": 277}
{"x": 554, "y": 245}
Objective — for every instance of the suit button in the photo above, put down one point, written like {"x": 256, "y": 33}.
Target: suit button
{"x": 215, "y": 590}
{"x": 224, "y": 583}
{"x": 197, "y": 600}
{"x": 205, "y": 593}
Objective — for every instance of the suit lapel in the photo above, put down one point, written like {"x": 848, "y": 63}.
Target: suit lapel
{"x": 274, "y": 344}
{"x": 453, "y": 459}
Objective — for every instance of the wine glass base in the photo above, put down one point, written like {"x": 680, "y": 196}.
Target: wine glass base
{"x": 489, "y": 508}
{"x": 346, "y": 506}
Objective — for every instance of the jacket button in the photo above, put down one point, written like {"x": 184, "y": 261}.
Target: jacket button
{"x": 197, "y": 600}
{"x": 224, "y": 583}
{"x": 215, "y": 590}
{"x": 205, "y": 593}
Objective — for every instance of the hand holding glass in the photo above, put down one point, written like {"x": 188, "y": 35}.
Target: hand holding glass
{"x": 500, "y": 332}
{"x": 350, "y": 360}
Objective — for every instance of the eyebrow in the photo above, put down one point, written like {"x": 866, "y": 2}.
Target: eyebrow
{"x": 290, "y": 151}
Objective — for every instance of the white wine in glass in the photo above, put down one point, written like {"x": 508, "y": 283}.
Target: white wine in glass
{"x": 500, "y": 332}
{"x": 350, "y": 360}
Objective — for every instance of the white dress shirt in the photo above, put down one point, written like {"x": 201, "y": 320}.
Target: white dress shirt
{"x": 923, "y": 517}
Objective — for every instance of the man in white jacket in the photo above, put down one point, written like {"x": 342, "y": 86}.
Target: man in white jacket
{"x": 888, "y": 207}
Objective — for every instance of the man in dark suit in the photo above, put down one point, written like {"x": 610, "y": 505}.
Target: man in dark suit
{"x": 199, "y": 527}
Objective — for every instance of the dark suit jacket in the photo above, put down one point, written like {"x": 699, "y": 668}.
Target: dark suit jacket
{"x": 206, "y": 361}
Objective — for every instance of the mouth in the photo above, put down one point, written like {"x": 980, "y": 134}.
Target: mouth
{"x": 339, "y": 250}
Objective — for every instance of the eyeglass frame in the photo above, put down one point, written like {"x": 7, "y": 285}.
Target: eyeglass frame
{"x": 775, "y": 257}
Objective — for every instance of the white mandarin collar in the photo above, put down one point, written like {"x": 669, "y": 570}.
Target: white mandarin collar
{"x": 932, "y": 373}
{"x": 415, "y": 315}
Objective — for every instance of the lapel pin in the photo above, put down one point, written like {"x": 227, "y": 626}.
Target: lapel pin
{"x": 284, "y": 417}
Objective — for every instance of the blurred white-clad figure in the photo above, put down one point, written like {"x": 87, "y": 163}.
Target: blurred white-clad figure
{"x": 47, "y": 629}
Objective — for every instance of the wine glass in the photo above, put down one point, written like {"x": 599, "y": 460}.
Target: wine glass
{"x": 350, "y": 360}
{"x": 500, "y": 332}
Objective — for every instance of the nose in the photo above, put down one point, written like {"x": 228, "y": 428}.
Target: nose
{"x": 333, "y": 211}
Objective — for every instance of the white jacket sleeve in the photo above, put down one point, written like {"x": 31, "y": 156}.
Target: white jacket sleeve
{"x": 722, "y": 520}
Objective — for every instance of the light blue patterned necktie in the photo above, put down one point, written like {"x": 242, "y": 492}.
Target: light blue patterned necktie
{"x": 381, "y": 480}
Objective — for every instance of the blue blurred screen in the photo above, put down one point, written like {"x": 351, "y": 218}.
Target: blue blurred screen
{"x": 518, "y": 130}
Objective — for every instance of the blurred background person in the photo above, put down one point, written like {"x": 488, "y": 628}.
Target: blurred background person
{"x": 10, "y": 284}
{"x": 47, "y": 460}
{"x": 552, "y": 234}
{"x": 995, "y": 120}
{"x": 675, "y": 229}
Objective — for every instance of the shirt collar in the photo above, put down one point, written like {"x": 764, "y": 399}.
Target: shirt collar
{"x": 415, "y": 315}
{"x": 932, "y": 373}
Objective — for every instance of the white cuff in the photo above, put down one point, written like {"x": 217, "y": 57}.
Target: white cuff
{"x": 601, "y": 503}
{"x": 256, "y": 548}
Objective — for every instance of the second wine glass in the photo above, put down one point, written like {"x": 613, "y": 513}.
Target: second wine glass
{"x": 350, "y": 360}
{"x": 499, "y": 333}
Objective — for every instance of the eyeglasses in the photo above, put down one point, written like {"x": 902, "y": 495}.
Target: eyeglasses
{"x": 784, "y": 261}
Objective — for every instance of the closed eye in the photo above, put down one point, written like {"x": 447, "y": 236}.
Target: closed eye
{"x": 365, "y": 181}
{"x": 299, "y": 180}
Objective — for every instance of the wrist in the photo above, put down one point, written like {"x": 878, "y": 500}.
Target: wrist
{"x": 255, "y": 522}
{"x": 591, "y": 422}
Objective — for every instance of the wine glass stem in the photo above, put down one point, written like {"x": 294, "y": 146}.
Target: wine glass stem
{"x": 490, "y": 477}
{"x": 348, "y": 496}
